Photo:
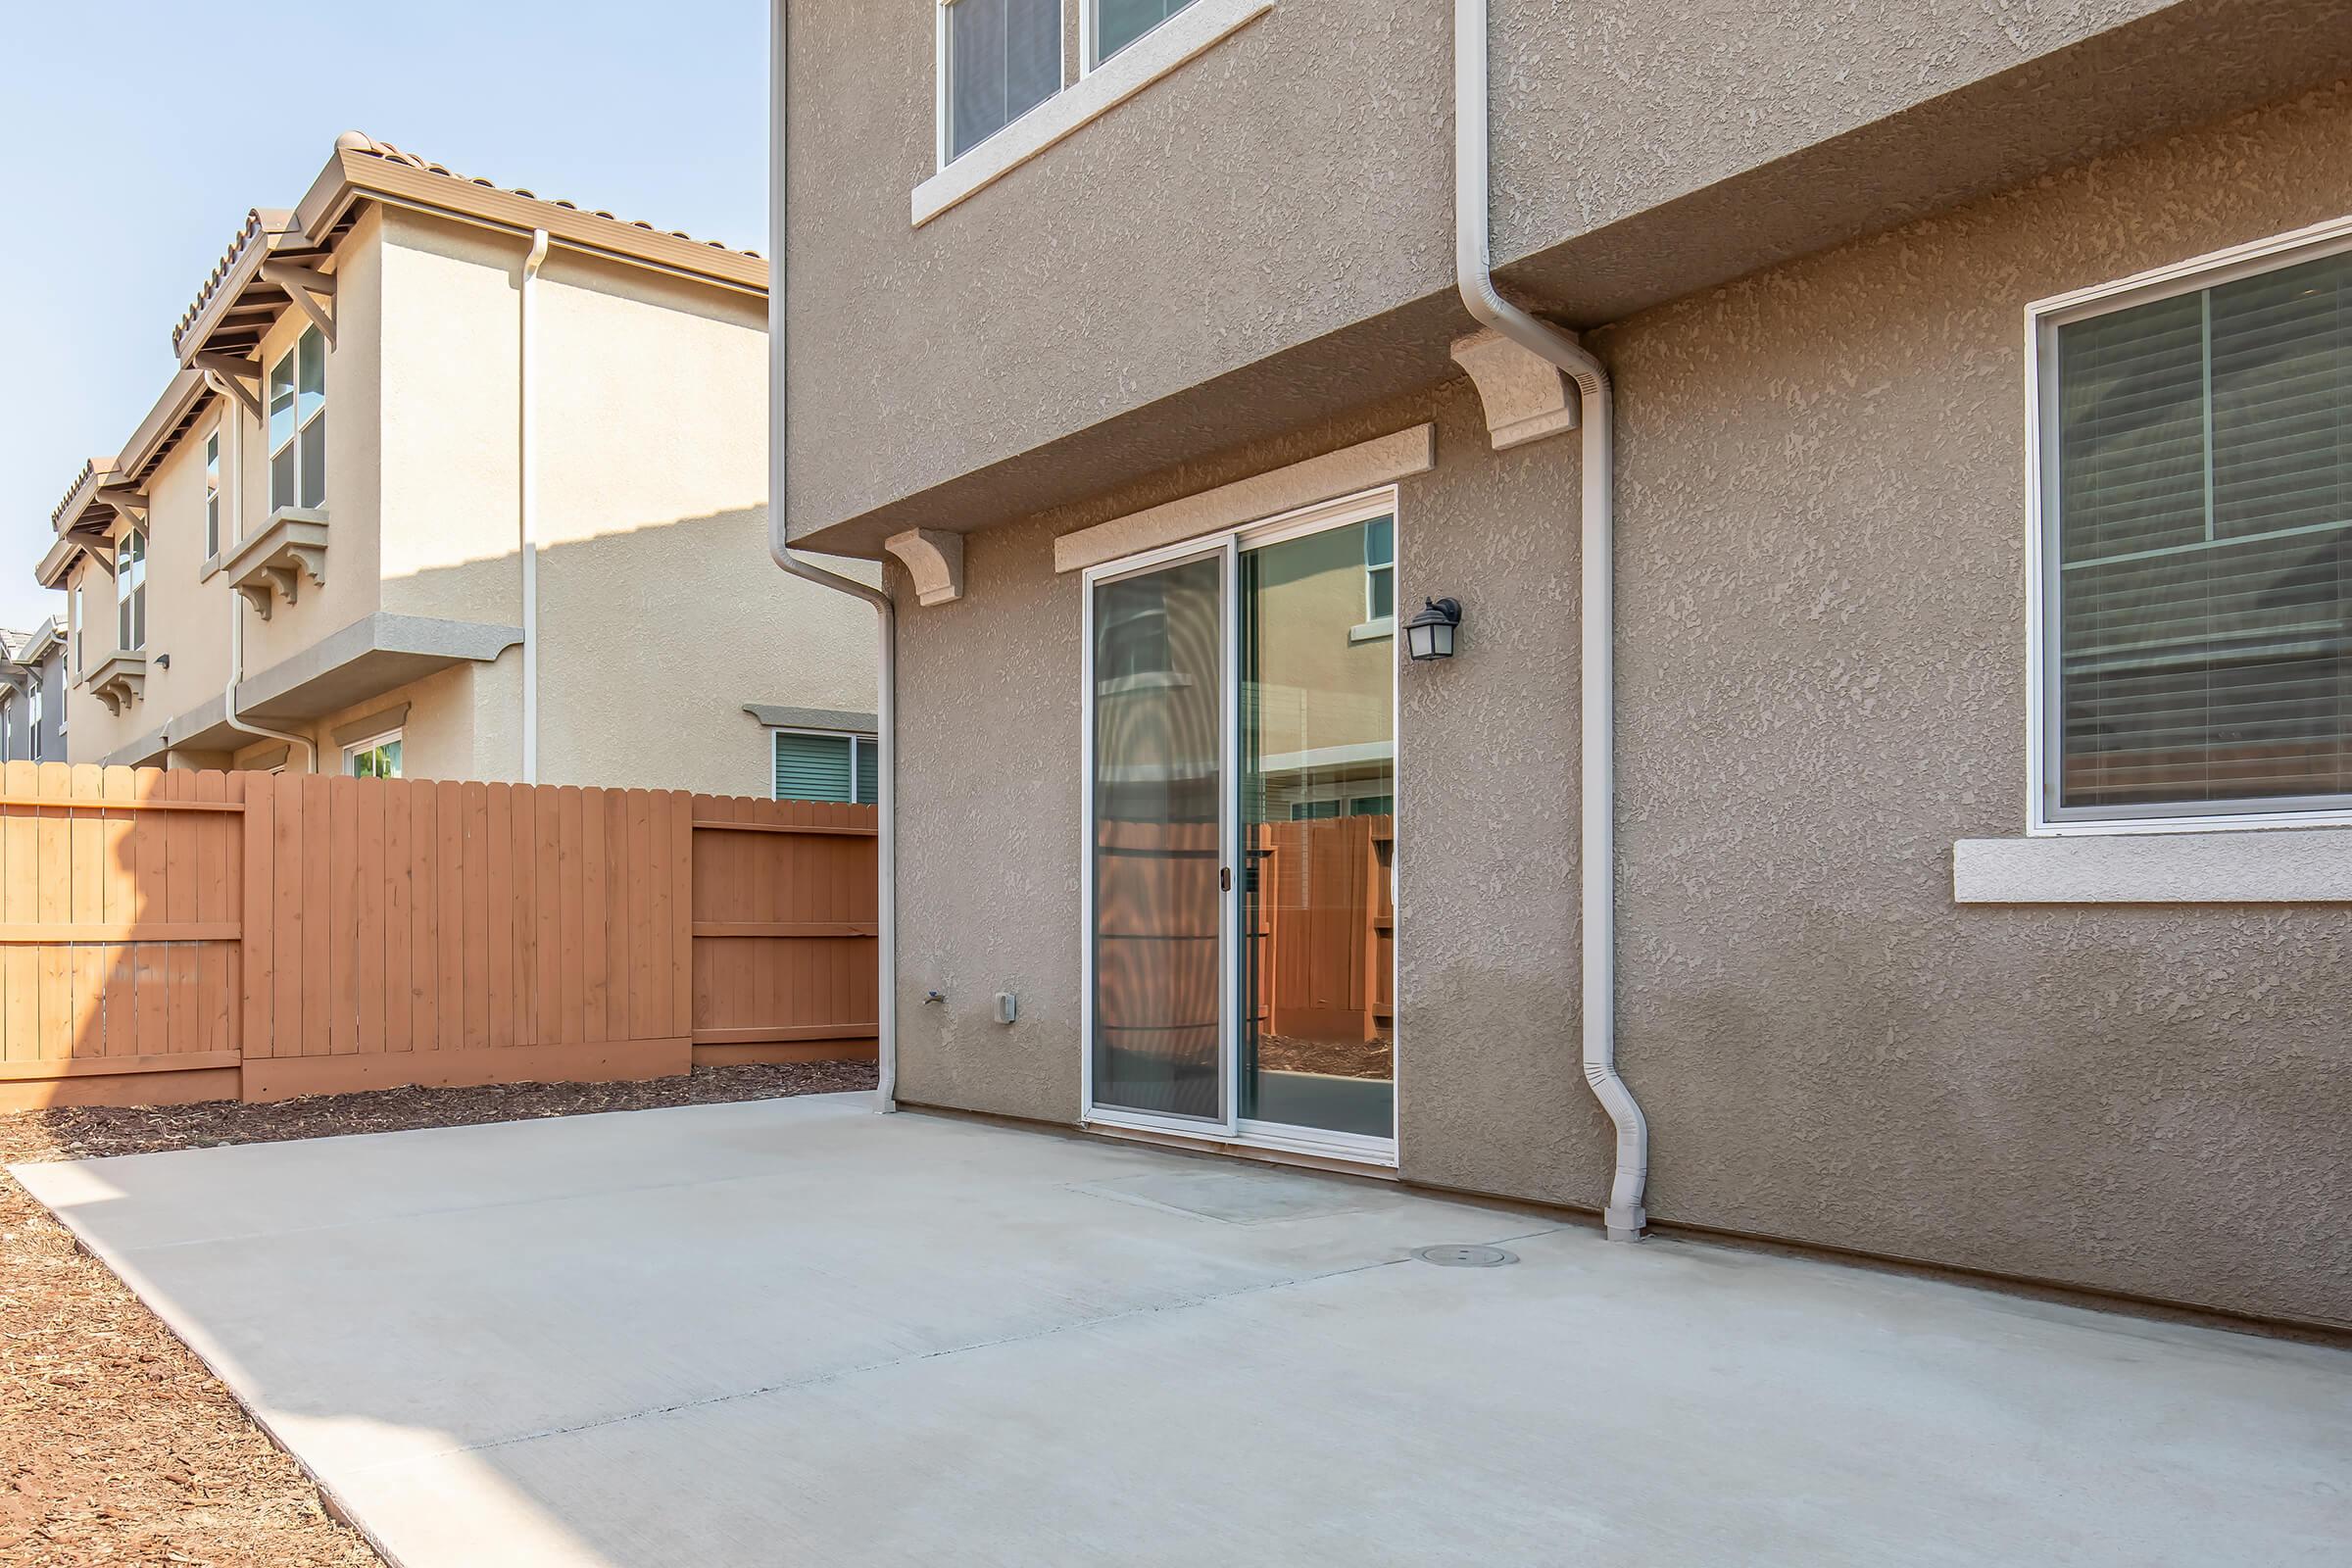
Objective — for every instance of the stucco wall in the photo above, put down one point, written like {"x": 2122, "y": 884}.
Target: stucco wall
{"x": 1293, "y": 183}
{"x": 1821, "y": 687}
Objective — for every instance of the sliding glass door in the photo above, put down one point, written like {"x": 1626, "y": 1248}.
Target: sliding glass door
{"x": 1157, "y": 642}
{"x": 1241, "y": 738}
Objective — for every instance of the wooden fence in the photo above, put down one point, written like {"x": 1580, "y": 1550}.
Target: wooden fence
{"x": 175, "y": 936}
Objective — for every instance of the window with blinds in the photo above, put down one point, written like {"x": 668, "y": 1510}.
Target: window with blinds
{"x": 825, "y": 767}
{"x": 2199, "y": 581}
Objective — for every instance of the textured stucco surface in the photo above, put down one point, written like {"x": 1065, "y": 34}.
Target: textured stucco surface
{"x": 1821, "y": 688}
{"x": 1263, "y": 238}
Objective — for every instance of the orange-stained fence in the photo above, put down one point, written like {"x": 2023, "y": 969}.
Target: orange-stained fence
{"x": 176, "y": 936}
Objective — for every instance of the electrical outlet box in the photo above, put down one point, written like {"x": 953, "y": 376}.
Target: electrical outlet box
{"x": 1008, "y": 1007}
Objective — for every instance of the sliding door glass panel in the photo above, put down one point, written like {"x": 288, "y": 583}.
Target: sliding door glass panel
{"x": 1318, "y": 785}
{"x": 1157, "y": 786}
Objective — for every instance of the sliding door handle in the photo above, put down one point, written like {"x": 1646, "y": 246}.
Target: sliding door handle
{"x": 1224, "y": 879}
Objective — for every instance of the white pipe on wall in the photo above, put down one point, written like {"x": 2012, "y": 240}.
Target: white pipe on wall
{"x": 236, "y": 600}
{"x": 528, "y": 507}
{"x": 1474, "y": 276}
{"x": 779, "y": 425}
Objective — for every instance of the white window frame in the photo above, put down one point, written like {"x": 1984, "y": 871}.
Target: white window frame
{"x": 1090, "y": 31}
{"x": 1081, "y": 100}
{"x": 32, "y": 719}
{"x": 293, "y": 352}
{"x": 2045, "y": 713}
{"x": 130, "y": 592}
{"x": 212, "y": 490}
{"x": 856, "y": 738}
{"x": 369, "y": 743}
{"x": 942, "y": 119}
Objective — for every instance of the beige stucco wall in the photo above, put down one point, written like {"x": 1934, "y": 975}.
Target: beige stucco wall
{"x": 1821, "y": 687}
{"x": 188, "y": 603}
{"x": 660, "y": 613}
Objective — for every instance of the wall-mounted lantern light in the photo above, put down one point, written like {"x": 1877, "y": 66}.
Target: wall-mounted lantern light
{"x": 1430, "y": 633}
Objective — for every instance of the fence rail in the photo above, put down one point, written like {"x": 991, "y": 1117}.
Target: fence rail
{"x": 175, "y": 936}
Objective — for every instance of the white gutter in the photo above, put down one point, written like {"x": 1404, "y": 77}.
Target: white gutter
{"x": 236, "y": 600}
{"x": 1598, "y": 859}
{"x": 528, "y": 509}
{"x": 780, "y": 427}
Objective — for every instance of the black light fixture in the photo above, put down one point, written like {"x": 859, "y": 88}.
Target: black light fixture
{"x": 1430, "y": 633}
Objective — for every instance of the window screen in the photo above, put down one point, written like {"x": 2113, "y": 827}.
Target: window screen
{"x": 2202, "y": 569}
{"x": 1119, "y": 23}
{"x": 1004, "y": 59}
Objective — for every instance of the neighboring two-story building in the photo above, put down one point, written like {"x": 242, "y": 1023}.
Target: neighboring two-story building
{"x": 455, "y": 481}
{"x": 1891, "y": 787}
{"x": 32, "y": 695}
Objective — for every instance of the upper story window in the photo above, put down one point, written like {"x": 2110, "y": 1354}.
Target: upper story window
{"x": 1000, "y": 59}
{"x": 2196, "y": 545}
{"x": 298, "y": 424}
{"x": 78, "y": 613}
{"x": 1113, "y": 24}
{"x": 130, "y": 592}
{"x": 32, "y": 718}
{"x": 212, "y": 495}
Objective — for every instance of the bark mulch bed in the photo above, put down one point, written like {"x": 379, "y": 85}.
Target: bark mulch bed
{"x": 116, "y": 1444}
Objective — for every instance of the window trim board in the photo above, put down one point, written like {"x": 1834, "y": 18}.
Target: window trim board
{"x": 2044, "y": 709}
{"x": 1165, "y": 49}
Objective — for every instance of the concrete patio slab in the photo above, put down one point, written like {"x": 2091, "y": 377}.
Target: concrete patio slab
{"x": 791, "y": 1330}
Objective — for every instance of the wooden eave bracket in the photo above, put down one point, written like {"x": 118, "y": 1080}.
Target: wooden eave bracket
{"x": 308, "y": 288}
{"x": 1526, "y": 397}
{"x": 934, "y": 559}
{"x": 244, "y": 379}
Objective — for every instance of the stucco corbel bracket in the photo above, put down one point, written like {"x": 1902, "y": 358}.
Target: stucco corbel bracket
{"x": 306, "y": 287}
{"x": 934, "y": 559}
{"x": 1526, "y": 397}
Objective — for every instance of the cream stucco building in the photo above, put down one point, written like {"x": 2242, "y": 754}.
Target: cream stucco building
{"x": 464, "y": 483}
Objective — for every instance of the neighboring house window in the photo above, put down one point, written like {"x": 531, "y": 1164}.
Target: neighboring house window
{"x": 2196, "y": 533}
{"x": 377, "y": 756}
{"x": 32, "y": 718}
{"x": 212, "y": 495}
{"x": 298, "y": 424}
{"x": 1000, "y": 59}
{"x": 1119, "y": 23}
{"x": 814, "y": 766}
{"x": 131, "y": 593}
{"x": 1380, "y": 569}
{"x": 73, "y": 614}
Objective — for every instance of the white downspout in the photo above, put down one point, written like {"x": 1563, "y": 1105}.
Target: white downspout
{"x": 1474, "y": 276}
{"x": 236, "y": 600}
{"x": 779, "y": 426}
{"x": 528, "y": 508}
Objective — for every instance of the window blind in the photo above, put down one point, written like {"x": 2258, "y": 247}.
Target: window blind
{"x": 2204, "y": 559}
{"x": 812, "y": 768}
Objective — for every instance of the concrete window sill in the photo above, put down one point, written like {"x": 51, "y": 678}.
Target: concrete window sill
{"x": 1166, "y": 47}
{"x": 2273, "y": 866}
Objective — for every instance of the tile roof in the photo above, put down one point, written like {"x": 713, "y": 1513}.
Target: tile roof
{"x": 260, "y": 223}
{"x": 91, "y": 469}
{"x": 360, "y": 142}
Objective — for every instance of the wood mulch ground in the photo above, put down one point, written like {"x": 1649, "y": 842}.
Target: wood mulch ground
{"x": 116, "y": 1444}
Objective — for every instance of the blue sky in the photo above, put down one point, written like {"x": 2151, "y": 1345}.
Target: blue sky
{"x": 134, "y": 134}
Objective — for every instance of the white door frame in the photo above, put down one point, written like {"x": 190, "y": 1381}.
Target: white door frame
{"x": 1226, "y": 546}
